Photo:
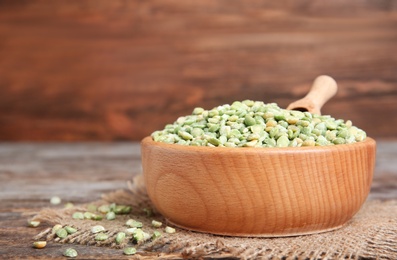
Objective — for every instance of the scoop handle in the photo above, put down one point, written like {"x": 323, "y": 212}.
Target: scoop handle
{"x": 323, "y": 88}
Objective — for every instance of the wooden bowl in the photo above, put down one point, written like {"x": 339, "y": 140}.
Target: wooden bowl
{"x": 264, "y": 192}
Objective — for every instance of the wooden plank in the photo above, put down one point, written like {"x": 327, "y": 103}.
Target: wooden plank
{"x": 99, "y": 70}
{"x": 30, "y": 174}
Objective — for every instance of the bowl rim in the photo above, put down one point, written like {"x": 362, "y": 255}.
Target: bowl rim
{"x": 148, "y": 140}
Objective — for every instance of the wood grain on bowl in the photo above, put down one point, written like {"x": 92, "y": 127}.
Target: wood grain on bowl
{"x": 258, "y": 191}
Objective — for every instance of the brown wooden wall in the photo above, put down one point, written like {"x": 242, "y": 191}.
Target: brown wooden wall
{"x": 118, "y": 70}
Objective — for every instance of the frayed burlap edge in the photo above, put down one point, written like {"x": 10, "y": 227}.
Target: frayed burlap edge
{"x": 371, "y": 234}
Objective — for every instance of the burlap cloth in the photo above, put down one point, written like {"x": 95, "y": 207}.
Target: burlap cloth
{"x": 371, "y": 234}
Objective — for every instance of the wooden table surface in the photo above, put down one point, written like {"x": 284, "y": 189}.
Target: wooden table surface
{"x": 31, "y": 173}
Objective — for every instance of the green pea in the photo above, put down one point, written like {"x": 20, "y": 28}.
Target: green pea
{"x": 339, "y": 140}
{"x": 61, "y": 233}
{"x": 120, "y": 237}
{"x": 70, "y": 230}
{"x": 249, "y": 120}
{"x": 78, "y": 215}
{"x": 110, "y": 215}
{"x": 101, "y": 237}
{"x": 70, "y": 252}
{"x": 254, "y": 124}
{"x": 129, "y": 251}
{"x": 282, "y": 141}
{"x": 134, "y": 223}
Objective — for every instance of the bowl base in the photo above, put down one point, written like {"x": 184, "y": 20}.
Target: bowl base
{"x": 261, "y": 235}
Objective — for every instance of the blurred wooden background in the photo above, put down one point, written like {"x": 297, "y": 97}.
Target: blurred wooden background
{"x": 118, "y": 70}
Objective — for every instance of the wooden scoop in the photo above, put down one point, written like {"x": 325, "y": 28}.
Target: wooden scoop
{"x": 323, "y": 88}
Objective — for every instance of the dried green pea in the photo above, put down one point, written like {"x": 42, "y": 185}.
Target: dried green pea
{"x": 248, "y": 102}
{"x": 197, "y": 132}
{"x": 233, "y": 118}
{"x": 56, "y": 227}
{"x": 250, "y": 143}
{"x": 97, "y": 229}
{"x": 55, "y": 200}
{"x": 253, "y": 137}
{"x": 198, "y": 111}
{"x": 217, "y": 125}
{"x": 130, "y": 231}
{"x": 257, "y": 129}
{"x": 68, "y": 205}
{"x": 214, "y": 120}
{"x": 104, "y": 209}
{"x": 271, "y": 142}
{"x": 120, "y": 237}
{"x": 213, "y": 127}
{"x": 348, "y": 123}
{"x": 293, "y": 132}
{"x": 70, "y": 230}
{"x": 339, "y": 140}
{"x": 330, "y": 125}
{"x": 222, "y": 140}
{"x": 70, "y": 252}
{"x": 321, "y": 126}
{"x": 122, "y": 209}
{"x": 129, "y": 250}
{"x": 213, "y": 112}
{"x": 101, "y": 237}
{"x": 299, "y": 141}
{"x": 88, "y": 215}
{"x": 134, "y": 223}
{"x": 156, "y": 223}
{"x": 146, "y": 236}
{"x": 282, "y": 141}
{"x": 293, "y": 143}
{"x": 61, "y": 233}
{"x": 185, "y": 135}
{"x": 321, "y": 140}
{"x": 156, "y": 234}
{"x": 230, "y": 144}
{"x": 169, "y": 230}
{"x": 292, "y": 120}
{"x": 350, "y": 139}
{"x": 316, "y": 132}
{"x": 279, "y": 116}
{"x": 274, "y": 132}
{"x": 268, "y": 115}
{"x": 283, "y": 123}
{"x": 111, "y": 215}
{"x": 308, "y": 142}
{"x": 96, "y": 217}
{"x": 138, "y": 235}
{"x": 249, "y": 120}
{"x": 259, "y": 120}
{"x": 234, "y": 133}
{"x": 39, "y": 244}
{"x": 214, "y": 141}
{"x": 33, "y": 223}
{"x": 342, "y": 133}
{"x": 303, "y": 123}
{"x": 112, "y": 206}
{"x": 297, "y": 114}
{"x": 78, "y": 215}
{"x": 330, "y": 135}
